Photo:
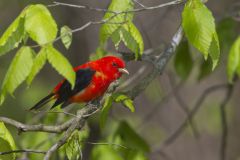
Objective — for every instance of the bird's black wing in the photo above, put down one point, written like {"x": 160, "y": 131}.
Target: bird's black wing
{"x": 83, "y": 79}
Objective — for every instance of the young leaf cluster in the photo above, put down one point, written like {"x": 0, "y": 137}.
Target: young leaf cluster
{"x": 199, "y": 27}
{"x": 226, "y": 30}
{"x": 34, "y": 22}
{"x": 120, "y": 27}
{"x": 73, "y": 147}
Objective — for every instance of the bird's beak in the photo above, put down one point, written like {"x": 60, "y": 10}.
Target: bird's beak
{"x": 123, "y": 70}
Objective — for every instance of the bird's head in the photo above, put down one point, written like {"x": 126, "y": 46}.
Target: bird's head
{"x": 113, "y": 66}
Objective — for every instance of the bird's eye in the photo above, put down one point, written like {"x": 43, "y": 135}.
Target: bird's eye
{"x": 114, "y": 64}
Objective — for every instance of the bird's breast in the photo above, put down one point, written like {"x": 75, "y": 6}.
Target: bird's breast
{"x": 95, "y": 89}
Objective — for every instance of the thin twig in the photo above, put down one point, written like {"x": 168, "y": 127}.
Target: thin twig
{"x": 223, "y": 147}
{"x": 23, "y": 151}
{"x": 140, "y": 4}
{"x": 82, "y": 28}
{"x": 144, "y": 8}
{"x": 112, "y": 144}
{"x": 157, "y": 6}
{"x": 38, "y": 127}
{"x": 55, "y": 3}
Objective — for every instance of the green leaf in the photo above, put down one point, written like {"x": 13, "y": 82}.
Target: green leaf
{"x": 7, "y": 143}
{"x": 66, "y": 36}
{"x": 125, "y": 100}
{"x": 205, "y": 69}
{"x": 132, "y": 39}
{"x": 183, "y": 62}
{"x": 214, "y": 50}
{"x": 233, "y": 65}
{"x": 73, "y": 147}
{"x": 13, "y": 35}
{"x": 136, "y": 156}
{"x": 18, "y": 71}
{"x": 61, "y": 64}
{"x": 107, "y": 29}
{"x": 116, "y": 37}
{"x": 199, "y": 27}
{"x": 105, "y": 110}
{"x": 33, "y": 139}
{"x": 130, "y": 138}
{"x": 104, "y": 152}
{"x": 38, "y": 63}
{"x": 40, "y": 25}
{"x": 226, "y": 30}
{"x": 2, "y": 97}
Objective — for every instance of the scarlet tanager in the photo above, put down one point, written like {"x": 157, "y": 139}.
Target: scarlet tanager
{"x": 92, "y": 80}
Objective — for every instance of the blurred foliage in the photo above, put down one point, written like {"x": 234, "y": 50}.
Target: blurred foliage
{"x": 118, "y": 98}
{"x": 226, "y": 30}
{"x": 205, "y": 69}
{"x": 209, "y": 118}
{"x": 233, "y": 67}
{"x": 154, "y": 91}
{"x": 183, "y": 61}
{"x": 125, "y": 144}
{"x": 38, "y": 141}
{"x": 7, "y": 143}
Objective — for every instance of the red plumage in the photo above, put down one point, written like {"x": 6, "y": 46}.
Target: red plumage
{"x": 92, "y": 80}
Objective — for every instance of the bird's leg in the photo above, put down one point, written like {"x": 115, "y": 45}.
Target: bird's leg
{"x": 94, "y": 103}
{"x": 94, "y": 107}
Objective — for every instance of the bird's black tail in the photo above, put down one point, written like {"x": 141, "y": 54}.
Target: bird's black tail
{"x": 42, "y": 102}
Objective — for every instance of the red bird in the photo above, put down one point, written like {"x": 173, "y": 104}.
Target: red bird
{"x": 92, "y": 80}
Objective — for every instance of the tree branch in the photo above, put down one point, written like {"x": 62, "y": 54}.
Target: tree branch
{"x": 159, "y": 64}
{"x": 78, "y": 123}
{"x": 37, "y": 128}
{"x": 56, "y": 3}
{"x": 223, "y": 146}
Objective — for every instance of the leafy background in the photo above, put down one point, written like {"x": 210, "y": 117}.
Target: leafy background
{"x": 157, "y": 27}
